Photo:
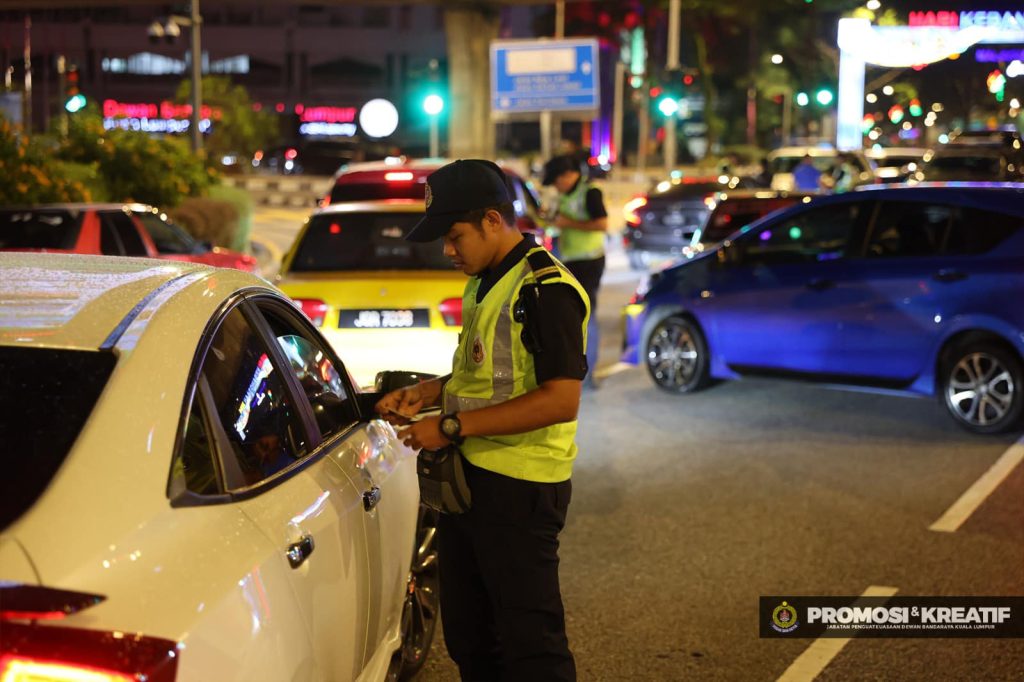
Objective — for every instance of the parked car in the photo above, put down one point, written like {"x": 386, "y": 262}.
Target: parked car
{"x": 908, "y": 289}
{"x": 661, "y": 224}
{"x": 971, "y": 162}
{"x": 735, "y": 209}
{"x": 896, "y": 164}
{"x": 193, "y": 488}
{"x": 406, "y": 179}
{"x": 372, "y": 292}
{"x": 314, "y": 156}
{"x": 112, "y": 230}
{"x": 782, "y": 162}
{"x": 1006, "y": 136}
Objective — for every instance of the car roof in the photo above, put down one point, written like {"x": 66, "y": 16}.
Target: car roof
{"x": 420, "y": 167}
{"x": 727, "y": 196}
{"x": 78, "y": 301}
{"x": 81, "y": 206}
{"x": 803, "y": 151}
{"x": 885, "y": 152}
{"x": 1004, "y": 197}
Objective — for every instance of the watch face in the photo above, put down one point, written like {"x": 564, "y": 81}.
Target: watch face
{"x": 449, "y": 426}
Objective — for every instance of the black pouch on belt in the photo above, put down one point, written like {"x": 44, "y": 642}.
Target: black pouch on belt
{"x": 443, "y": 483}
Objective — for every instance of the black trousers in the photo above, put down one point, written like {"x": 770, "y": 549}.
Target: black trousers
{"x": 501, "y": 607}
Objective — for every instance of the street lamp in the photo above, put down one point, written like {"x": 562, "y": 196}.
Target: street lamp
{"x": 170, "y": 31}
{"x": 433, "y": 105}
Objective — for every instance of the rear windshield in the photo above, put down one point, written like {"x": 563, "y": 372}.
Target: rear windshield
{"x": 366, "y": 241}
{"x": 684, "y": 190}
{"x": 373, "y": 191}
{"x": 38, "y": 229}
{"x": 48, "y": 395}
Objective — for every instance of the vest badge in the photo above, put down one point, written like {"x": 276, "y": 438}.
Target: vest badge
{"x": 478, "y": 350}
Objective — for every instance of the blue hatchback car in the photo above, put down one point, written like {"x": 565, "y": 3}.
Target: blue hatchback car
{"x": 918, "y": 290}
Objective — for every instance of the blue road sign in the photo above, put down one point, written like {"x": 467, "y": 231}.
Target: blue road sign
{"x": 544, "y": 75}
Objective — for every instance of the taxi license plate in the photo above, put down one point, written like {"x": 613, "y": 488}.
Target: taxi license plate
{"x": 384, "y": 319}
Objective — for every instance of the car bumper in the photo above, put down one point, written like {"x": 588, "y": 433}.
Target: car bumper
{"x": 633, "y": 316}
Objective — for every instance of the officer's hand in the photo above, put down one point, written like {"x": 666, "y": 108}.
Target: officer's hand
{"x": 562, "y": 221}
{"x": 399, "y": 406}
{"x": 424, "y": 435}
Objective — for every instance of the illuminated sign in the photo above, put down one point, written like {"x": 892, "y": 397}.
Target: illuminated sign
{"x": 989, "y": 56}
{"x": 165, "y": 117}
{"x": 1003, "y": 21}
{"x": 328, "y": 115}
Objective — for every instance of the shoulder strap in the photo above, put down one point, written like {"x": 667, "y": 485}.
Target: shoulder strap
{"x": 542, "y": 264}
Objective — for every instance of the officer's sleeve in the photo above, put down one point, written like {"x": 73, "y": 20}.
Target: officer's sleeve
{"x": 559, "y": 328}
{"x": 595, "y": 204}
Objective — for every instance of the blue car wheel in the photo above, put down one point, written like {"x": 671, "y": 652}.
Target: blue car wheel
{"x": 677, "y": 355}
{"x": 982, "y": 387}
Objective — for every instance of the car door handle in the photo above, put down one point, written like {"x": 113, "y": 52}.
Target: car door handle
{"x": 949, "y": 275}
{"x": 818, "y": 284}
{"x": 371, "y": 498}
{"x": 299, "y": 551}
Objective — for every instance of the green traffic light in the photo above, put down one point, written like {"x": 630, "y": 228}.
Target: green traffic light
{"x": 824, "y": 97}
{"x": 75, "y": 103}
{"x": 668, "y": 106}
{"x": 433, "y": 104}
{"x": 802, "y": 100}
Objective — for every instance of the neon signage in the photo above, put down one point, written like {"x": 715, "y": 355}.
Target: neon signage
{"x": 1004, "y": 21}
{"x": 332, "y": 121}
{"x": 990, "y": 56}
{"x": 147, "y": 117}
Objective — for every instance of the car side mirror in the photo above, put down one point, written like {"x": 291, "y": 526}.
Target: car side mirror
{"x": 392, "y": 380}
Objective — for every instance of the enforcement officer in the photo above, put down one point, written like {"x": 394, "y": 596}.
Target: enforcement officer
{"x": 510, "y": 403}
{"x": 583, "y": 221}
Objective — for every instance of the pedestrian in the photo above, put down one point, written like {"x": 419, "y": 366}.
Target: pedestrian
{"x": 806, "y": 176}
{"x": 583, "y": 221}
{"x": 510, "y": 405}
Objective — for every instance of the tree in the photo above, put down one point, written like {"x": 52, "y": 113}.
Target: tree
{"x": 239, "y": 129}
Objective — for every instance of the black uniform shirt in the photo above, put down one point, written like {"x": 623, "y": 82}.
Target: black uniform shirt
{"x": 559, "y": 327}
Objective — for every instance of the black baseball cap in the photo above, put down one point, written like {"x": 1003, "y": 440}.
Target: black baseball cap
{"x": 452, "y": 190}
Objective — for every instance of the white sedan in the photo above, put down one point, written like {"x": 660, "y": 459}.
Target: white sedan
{"x": 192, "y": 487}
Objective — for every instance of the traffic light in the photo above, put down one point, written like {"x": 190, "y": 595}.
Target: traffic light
{"x": 895, "y": 113}
{"x": 824, "y": 97}
{"x": 668, "y": 106}
{"x": 802, "y": 99}
{"x": 433, "y": 104}
{"x": 74, "y": 100}
{"x": 996, "y": 82}
{"x": 915, "y": 107}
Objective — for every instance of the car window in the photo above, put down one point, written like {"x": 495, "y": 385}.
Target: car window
{"x": 365, "y": 241}
{"x": 817, "y": 234}
{"x": 39, "y": 229}
{"x": 975, "y": 231}
{"x": 128, "y": 235}
{"x": 344, "y": 192}
{"x": 110, "y": 243}
{"x": 904, "y": 229}
{"x": 166, "y": 236}
{"x": 315, "y": 368}
{"x": 47, "y": 398}
{"x": 729, "y": 217}
{"x": 263, "y": 432}
{"x": 196, "y": 461}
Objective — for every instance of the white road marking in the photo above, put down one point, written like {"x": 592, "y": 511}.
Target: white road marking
{"x": 982, "y": 488}
{"x": 820, "y": 653}
{"x": 608, "y": 370}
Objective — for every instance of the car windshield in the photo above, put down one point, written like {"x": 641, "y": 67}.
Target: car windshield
{"x": 371, "y": 240}
{"x": 168, "y": 237}
{"x": 39, "y": 229}
{"x": 47, "y": 398}
{"x": 375, "y": 191}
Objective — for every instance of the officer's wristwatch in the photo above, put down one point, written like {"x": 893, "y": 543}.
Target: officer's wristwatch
{"x": 451, "y": 428}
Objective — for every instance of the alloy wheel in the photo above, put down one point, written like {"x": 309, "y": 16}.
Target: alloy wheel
{"x": 673, "y": 355}
{"x": 980, "y": 390}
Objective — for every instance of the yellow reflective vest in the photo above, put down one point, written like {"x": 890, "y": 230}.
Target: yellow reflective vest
{"x": 578, "y": 244}
{"x": 491, "y": 366}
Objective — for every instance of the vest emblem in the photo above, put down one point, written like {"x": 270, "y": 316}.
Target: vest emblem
{"x": 478, "y": 350}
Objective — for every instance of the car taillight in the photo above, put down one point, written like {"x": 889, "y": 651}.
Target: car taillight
{"x": 451, "y": 311}
{"x": 398, "y": 176}
{"x": 33, "y": 653}
{"x": 291, "y": 154}
{"x": 314, "y": 308}
{"x": 631, "y": 208}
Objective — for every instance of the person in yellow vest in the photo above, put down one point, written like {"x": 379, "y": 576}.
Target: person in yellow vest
{"x": 583, "y": 221}
{"x": 510, "y": 403}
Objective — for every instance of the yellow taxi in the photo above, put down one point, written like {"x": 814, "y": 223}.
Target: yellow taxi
{"x": 391, "y": 303}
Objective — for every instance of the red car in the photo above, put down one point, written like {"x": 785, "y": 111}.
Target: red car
{"x": 110, "y": 229}
{"x": 405, "y": 179}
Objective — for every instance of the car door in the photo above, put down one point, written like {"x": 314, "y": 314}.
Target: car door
{"x": 368, "y": 453}
{"x": 901, "y": 280}
{"x": 282, "y": 477}
{"x": 780, "y": 299}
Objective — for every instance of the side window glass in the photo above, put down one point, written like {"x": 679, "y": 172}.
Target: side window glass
{"x": 127, "y": 233}
{"x": 168, "y": 237}
{"x": 818, "y": 234}
{"x": 263, "y": 431}
{"x": 975, "y": 231}
{"x": 905, "y": 229}
{"x": 110, "y": 245}
{"x": 322, "y": 382}
{"x": 195, "y": 462}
